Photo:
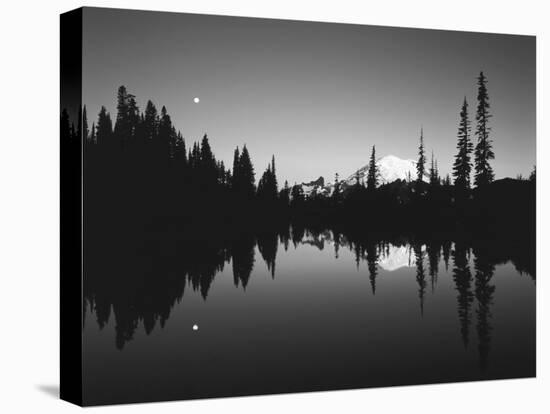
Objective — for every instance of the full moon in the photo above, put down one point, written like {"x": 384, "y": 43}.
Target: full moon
{"x": 196, "y": 100}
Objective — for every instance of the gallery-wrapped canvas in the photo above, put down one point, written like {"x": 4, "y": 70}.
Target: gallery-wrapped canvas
{"x": 254, "y": 206}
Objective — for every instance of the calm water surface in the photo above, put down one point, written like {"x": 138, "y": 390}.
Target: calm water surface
{"x": 300, "y": 313}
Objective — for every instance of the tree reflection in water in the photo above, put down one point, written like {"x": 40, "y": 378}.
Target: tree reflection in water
{"x": 143, "y": 283}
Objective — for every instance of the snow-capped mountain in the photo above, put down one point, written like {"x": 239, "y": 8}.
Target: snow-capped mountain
{"x": 315, "y": 187}
{"x": 390, "y": 169}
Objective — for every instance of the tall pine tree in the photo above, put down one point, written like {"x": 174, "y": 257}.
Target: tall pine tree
{"x": 462, "y": 166}
{"x": 247, "y": 182}
{"x": 372, "y": 175}
{"x": 421, "y": 164}
{"x": 484, "y": 149}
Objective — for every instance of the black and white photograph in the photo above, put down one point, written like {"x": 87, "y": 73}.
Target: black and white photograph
{"x": 343, "y": 206}
{"x": 340, "y": 206}
{"x": 316, "y": 207}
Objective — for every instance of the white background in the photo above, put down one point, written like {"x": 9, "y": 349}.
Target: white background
{"x": 29, "y": 206}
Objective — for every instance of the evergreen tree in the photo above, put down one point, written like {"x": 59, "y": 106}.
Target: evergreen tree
{"x": 133, "y": 116}
{"x": 262, "y": 184}
{"x": 104, "y": 129}
{"x": 164, "y": 134}
{"x": 207, "y": 164}
{"x": 267, "y": 186}
{"x": 434, "y": 174}
{"x": 372, "y": 175}
{"x": 484, "y": 149}
{"x": 207, "y": 157}
{"x": 462, "y": 166}
{"x": 122, "y": 124}
{"x": 247, "y": 182}
{"x": 180, "y": 151}
{"x": 421, "y": 164}
{"x": 151, "y": 122}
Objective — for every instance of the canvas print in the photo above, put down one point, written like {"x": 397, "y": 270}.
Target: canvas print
{"x": 256, "y": 206}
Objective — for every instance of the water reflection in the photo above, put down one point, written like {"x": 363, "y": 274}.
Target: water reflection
{"x": 484, "y": 291}
{"x": 463, "y": 278}
{"x": 142, "y": 284}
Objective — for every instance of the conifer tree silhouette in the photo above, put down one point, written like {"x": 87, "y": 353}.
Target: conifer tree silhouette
{"x": 267, "y": 186}
{"x": 123, "y": 126}
{"x": 104, "y": 128}
{"x": 462, "y": 166}
{"x": 484, "y": 148}
{"x": 433, "y": 173}
{"x": 247, "y": 182}
{"x": 421, "y": 164}
{"x": 372, "y": 176}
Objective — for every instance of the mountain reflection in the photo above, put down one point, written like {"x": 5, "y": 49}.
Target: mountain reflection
{"x": 142, "y": 284}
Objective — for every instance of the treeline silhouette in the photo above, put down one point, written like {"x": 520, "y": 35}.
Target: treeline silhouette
{"x": 140, "y": 169}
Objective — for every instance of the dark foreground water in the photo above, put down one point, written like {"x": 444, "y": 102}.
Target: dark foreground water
{"x": 303, "y": 312}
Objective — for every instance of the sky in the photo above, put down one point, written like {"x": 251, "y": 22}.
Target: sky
{"x": 318, "y": 96}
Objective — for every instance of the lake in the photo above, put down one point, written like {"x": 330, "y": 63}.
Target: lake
{"x": 303, "y": 311}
